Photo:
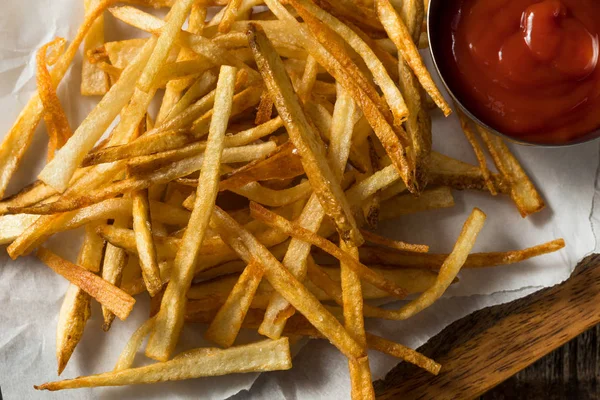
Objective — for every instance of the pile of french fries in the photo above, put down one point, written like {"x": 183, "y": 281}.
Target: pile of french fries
{"x": 250, "y": 200}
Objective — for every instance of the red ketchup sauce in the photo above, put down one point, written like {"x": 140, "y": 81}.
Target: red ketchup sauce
{"x": 528, "y": 68}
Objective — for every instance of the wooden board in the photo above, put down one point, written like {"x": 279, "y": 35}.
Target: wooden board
{"x": 489, "y": 346}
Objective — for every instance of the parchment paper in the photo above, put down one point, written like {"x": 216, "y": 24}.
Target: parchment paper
{"x": 31, "y": 294}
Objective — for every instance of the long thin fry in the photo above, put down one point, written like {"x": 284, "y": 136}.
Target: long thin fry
{"x": 59, "y": 171}
{"x": 302, "y": 134}
{"x": 94, "y": 81}
{"x": 166, "y": 40}
{"x": 142, "y": 227}
{"x": 75, "y": 309}
{"x": 284, "y": 282}
{"x": 384, "y": 256}
{"x": 115, "y": 260}
{"x": 56, "y": 120}
{"x": 401, "y": 37}
{"x": 392, "y": 95}
{"x": 225, "y": 326}
{"x": 470, "y": 135}
{"x": 305, "y": 235}
{"x": 108, "y": 295}
{"x": 268, "y": 355}
{"x": 451, "y": 266}
{"x": 170, "y": 317}
{"x": 127, "y": 355}
{"x": 523, "y": 192}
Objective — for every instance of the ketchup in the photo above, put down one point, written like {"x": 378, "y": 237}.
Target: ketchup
{"x": 528, "y": 68}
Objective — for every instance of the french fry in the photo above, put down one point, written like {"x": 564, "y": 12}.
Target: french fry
{"x": 282, "y": 163}
{"x": 166, "y": 40}
{"x": 55, "y": 118}
{"x": 403, "y": 204}
{"x": 475, "y": 260}
{"x": 305, "y": 235}
{"x": 450, "y": 267}
{"x": 302, "y": 134}
{"x": 394, "y": 244}
{"x": 285, "y": 283}
{"x": 127, "y": 355}
{"x": 446, "y": 171}
{"x": 169, "y": 320}
{"x": 392, "y": 95}
{"x": 197, "y": 43}
{"x": 142, "y": 227}
{"x": 94, "y": 81}
{"x": 268, "y": 355}
{"x": 115, "y": 260}
{"x": 59, "y": 171}
{"x": 522, "y": 190}
{"x": 470, "y": 135}
{"x": 106, "y": 294}
{"x": 397, "y": 350}
{"x": 401, "y": 37}
{"x": 75, "y": 309}
{"x": 225, "y": 326}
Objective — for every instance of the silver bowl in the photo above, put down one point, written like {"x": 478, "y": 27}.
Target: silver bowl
{"x": 432, "y": 16}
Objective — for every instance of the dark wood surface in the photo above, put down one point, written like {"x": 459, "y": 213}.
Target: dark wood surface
{"x": 488, "y": 347}
{"x": 569, "y": 372}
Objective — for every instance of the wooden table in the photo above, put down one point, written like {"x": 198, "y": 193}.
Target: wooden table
{"x": 542, "y": 346}
{"x": 569, "y": 372}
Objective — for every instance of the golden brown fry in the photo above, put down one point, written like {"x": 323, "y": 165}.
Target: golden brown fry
{"x": 446, "y": 171}
{"x": 108, "y": 295}
{"x": 404, "y": 353}
{"x": 225, "y": 326}
{"x": 522, "y": 190}
{"x": 56, "y": 120}
{"x": 127, "y": 355}
{"x": 450, "y": 267}
{"x": 230, "y": 15}
{"x": 169, "y": 320}
{"x": 75, "y": 309}
{"x": 115, "y": 260}
{"x": 400, "y": 35}
{"x": 94, "y": 81}
{"x": 284, "y": 282}
{"x": 283, "y": 163}
{"x": 470, "y": 135}
{"x": 59, "y": 171}
{"x": 268, "y": 355}
{"x": 303, "y": 135}
{"x": 293, "y": 230}
{"x": 403, "y": 204}
{"x": 142, "y": 227}
{"x": 394, "y": 244}
{"x": 379, "y": 255}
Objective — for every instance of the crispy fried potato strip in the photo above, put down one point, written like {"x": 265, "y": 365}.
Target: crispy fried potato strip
{"x": 108, "y": 295}
{"x": 268, "y": 355}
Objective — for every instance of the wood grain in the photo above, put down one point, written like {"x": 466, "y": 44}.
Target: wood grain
{"x": 487, "y": 347}
{"x": 569, "y": 372}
